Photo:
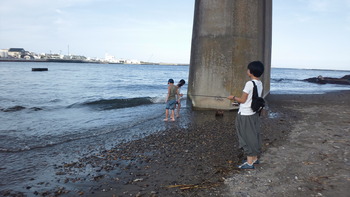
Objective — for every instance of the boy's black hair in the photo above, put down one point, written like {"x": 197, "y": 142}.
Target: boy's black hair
{"x": 256, "y": 68}
{"x": 171, "y": 81}
{"x": 181, "y": 83}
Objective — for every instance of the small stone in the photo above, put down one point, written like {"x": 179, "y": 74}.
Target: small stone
{"x": 60, "y": 173}
{"x": 138, "y": 180}
{"x": 138, "y": 194}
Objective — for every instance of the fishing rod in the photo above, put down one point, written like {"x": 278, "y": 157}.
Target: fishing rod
{"x": 209, "y": 96}
{"x": 218, "y": 98}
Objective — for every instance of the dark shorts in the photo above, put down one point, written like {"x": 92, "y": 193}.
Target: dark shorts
{"x": 248, "y": 131}
{"x": 170, "y": 104}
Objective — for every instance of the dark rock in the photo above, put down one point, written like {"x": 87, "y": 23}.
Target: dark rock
{"x": 219, "y": 113}
{"x": 329, "y": 80}
{"x": 60, "y": 173}
{"x": 346, "y": 77}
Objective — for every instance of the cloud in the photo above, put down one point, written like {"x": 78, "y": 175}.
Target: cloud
{"x": 303, "y": 18}
{"x": 58, "y": 11}
{"x": 320, "y": 5}
{"x": 327, "y": 5}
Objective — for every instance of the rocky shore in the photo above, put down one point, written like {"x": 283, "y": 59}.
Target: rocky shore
{"x": 305, "y": 153}
{"x": 330, "y": 80}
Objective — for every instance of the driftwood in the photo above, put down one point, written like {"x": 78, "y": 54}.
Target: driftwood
{"x": 329, "y": 80}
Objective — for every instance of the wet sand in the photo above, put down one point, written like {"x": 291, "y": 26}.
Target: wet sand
{"x": 305, "y": 153}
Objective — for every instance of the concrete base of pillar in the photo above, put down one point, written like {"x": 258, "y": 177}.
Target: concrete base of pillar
{"x": 227, "y": 36}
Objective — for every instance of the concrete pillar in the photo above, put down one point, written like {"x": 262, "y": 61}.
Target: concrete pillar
{"x": 227, "y": 35}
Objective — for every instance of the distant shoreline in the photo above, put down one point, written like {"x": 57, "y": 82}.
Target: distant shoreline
{"x": 46, "y": 60}
{"x": 83, "y": 61}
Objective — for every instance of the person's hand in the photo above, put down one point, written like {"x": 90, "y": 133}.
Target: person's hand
{"x": 231, "y": 97}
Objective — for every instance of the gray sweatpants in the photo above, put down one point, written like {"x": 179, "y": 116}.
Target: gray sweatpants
{"x": 248, "y": 131}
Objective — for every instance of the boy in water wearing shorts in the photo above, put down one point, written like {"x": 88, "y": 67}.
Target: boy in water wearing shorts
{"x": 171, "y": 100}
{"x": 247, "y": 121}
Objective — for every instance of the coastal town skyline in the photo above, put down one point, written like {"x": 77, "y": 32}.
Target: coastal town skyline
{"x": 306, "y": 34}
{"x": 20, "y": 54}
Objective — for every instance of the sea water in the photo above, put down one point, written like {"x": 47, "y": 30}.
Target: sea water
{"x": 291, "y": 81}
{"x": 72, "y": 110}
{"x": 73, "y": 101}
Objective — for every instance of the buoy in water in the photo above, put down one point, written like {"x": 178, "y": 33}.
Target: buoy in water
{"x": 40, "y": 69}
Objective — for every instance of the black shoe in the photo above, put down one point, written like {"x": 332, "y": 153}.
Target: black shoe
{"x": 246, "y": 165}
{"x": 254, "y": 162}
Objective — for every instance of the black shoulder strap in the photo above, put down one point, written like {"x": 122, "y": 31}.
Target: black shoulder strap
{"x": 255, "y": 90}
{"x": 253, "y": 83}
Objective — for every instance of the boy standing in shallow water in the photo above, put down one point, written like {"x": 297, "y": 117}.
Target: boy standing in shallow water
{"x": 247, "y": 121}
{"x": 171, "y": 100}
{"x": 178, "y": 102}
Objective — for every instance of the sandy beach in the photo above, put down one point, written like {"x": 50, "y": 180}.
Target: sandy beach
{"x": 305, "y": 153}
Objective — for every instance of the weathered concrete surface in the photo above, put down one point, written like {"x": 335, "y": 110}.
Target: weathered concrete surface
{"x": 227, "y": 35}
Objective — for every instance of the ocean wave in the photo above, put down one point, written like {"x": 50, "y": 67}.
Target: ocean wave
{"x": 21, "y": 145}
{"x": 109, "y": 104}
{"x": 12, "y": 141}
{"x": 55, "y": 100}
{"x": 13, "y": 109}
{"x": 284, "y": 80}
{"x": 19, "y": 108}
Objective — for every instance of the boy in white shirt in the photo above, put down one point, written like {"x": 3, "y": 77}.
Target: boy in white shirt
{"x": 178, "y": 102}
{"x": 247, "y": 121}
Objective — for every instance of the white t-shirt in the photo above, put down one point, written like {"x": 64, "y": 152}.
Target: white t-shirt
{"x": 178, "y": 90}
{"x": 245, "y": 108}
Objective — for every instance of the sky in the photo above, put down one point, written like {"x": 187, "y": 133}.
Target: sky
{"x": 306, "y": 33}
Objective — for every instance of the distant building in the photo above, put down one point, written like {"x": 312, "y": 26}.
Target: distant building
{"x": 16, "y": 52}
{"x": 77, "y": 57}
{"x": 28, "y": 57}
{"x": 55, "y": 56}
{"x": 132, "y": 62}
{"x": 36, "y": 56}
{"x": 111, "y": 59}
{"x": 4, "y": 53}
